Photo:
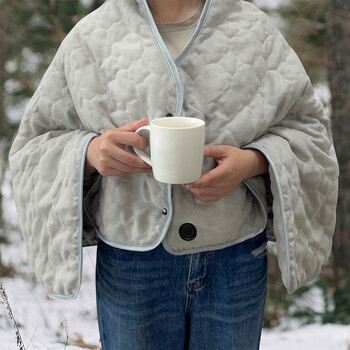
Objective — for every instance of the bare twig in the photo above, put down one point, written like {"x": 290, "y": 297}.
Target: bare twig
{"x": 64, "y": 323}
{"x": 4, "y": 300}
{"x": 79, "y": 341}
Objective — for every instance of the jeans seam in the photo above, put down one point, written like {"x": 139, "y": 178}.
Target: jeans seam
{"x": 187, "y": 284}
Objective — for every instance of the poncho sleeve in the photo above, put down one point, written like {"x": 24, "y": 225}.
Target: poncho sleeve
{"x": 303, "y": 173}
{"x": 47, "y": 168}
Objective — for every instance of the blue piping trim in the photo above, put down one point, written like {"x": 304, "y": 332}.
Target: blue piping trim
{"x": 179, "y": 102}
{"x": 80, "y": 223}
{"x": 194, "y": 36}
{"x": 168, "y": 58}
{"x": 144, "y": 247}
{"x": 272, "y": 165}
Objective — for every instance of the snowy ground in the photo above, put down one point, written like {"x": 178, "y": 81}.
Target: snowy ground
{"x": 43, "y": 320}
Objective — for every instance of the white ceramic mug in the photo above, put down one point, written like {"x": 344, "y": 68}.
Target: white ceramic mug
{"x": 177, "y": 149}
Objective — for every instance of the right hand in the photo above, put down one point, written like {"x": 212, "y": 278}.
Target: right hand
{"x": 107, "y": 155}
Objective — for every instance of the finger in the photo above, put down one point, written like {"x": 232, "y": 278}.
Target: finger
{"x": 206, "y": 198}
{"x": 120, "y": 169}
{"x": 119, "y": 166}
{"x": 112, "y": 172}
{"x": 128, "y": 138}
{"x": 204, "y": 192}
{"x": 143, "y": 171}
{"x": 126, "y": 170}
{"x": 134, "y": 125}
{"x": 128, "y": 158}
{"x": 214, "y": 151}
{"x": 208, "y": 179}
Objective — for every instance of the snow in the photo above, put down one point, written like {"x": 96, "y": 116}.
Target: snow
{"x": 320, "y": 337}
{"x": 323, "y": 94}
{"x": 86, "y": 3}
{"x": 10, "y": 211}
{"x": 15, "y": 112}
{"x": 41, "y": 319}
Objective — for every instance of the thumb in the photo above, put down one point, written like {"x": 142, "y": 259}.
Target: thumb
{"x": 134, "y": 125}
{"x": 214, "y": 151}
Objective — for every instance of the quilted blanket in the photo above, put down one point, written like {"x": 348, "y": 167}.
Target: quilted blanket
{"x": 239, "y": 75}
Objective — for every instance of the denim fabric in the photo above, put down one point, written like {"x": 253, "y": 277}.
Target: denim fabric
{"x": 157, "y": 301}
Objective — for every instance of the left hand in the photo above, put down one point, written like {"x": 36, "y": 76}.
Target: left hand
{"x": 234, "y": 166}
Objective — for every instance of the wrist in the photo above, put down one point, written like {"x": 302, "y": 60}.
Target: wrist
{"x": 257, "y": 163}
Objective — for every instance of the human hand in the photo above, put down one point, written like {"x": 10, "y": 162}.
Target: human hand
{"x": 107, "y": 155}
{"x": 234, "y": 166}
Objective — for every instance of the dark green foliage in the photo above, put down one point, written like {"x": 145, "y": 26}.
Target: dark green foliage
{"x": 336, "y": 294}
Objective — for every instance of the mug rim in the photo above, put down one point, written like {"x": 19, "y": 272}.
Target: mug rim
{"x": 199, "y": 123}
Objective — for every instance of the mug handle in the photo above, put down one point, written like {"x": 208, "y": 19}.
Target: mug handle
{"x": 145, "y": 157}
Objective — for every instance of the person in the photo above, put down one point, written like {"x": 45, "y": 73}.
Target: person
{"x": 178, "y": 266}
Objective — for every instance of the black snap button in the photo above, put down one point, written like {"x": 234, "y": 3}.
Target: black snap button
{"x": 188, "y": 232}
{"x": 165, "y": 211}
{"x": 169, "y": 115}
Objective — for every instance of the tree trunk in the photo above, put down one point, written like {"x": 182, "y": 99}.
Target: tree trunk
{"x": 4, "y": 125}
{"x": 97, "y": 4}
{"x": 339, "y": 79}
{"x": 4, "y": 49}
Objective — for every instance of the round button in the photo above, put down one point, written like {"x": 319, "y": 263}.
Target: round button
{"x": 165, "y": 211}
{"x": 169, "y": 115}
{"x": 188, "y": 232}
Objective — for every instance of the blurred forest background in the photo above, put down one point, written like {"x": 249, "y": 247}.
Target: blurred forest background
{"x": 319, "y": 32}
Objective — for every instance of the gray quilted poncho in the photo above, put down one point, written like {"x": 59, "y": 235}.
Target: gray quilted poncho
{"x": 239, "y": 75}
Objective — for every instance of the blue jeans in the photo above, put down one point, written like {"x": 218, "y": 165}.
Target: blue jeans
{"x": 205, "y": 301}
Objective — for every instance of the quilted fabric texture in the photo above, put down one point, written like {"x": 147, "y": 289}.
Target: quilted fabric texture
{"x": 240, "y": 76}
